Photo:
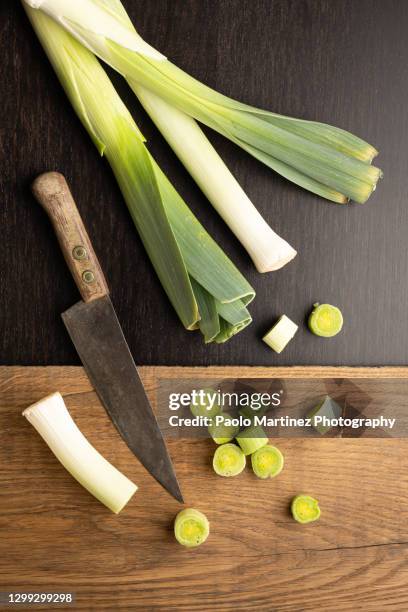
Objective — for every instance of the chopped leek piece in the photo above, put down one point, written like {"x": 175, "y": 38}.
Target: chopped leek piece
{"x": 281, "y": 334}
{"x": 326, "y": 160}
{"x": 221, "y": 430}
{"x": 267, "y": 462}
{"x": 191, "y": 527}
{"x": 251, "y": 439}
{"x": 53, "y": 422}
{"x": 305, "y": 509}
{"x": 326, "y": 409}
{"x": 205, "y": 407}
{"x": 229, "y": 460}
{"x": 325, "y": 320}
{"x": 203, "y": 285}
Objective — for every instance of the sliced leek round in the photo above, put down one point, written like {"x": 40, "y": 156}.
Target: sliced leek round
{"x": 325, "y": 320}
{"x": 229, "y": 460}
{"x": 191, "y": 528}
{"x": 267, "y": 462}
{"x": 305, "y": 509}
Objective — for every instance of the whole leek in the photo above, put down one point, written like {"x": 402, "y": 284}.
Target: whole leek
{"x": 205, "y": 288}
{"x": 323, "y": 159}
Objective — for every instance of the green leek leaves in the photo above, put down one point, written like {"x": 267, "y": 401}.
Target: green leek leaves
{"x": 323, "y": 159}
{"x": 205, "y": 288}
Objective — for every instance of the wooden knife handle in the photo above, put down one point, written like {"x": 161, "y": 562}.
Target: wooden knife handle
{"x": 52, "y": 192}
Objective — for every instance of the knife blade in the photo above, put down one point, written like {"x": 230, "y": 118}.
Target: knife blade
{"x": 98, "y": 337}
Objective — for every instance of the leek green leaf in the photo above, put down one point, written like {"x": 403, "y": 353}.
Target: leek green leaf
{"x": 328, "y": 156}
{"x": 192, "y": 268}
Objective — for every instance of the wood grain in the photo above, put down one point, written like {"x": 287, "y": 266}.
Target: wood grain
{"x": 54, "y": 535}
{"x": 52, "y": 192}
{"x": 339, "y": 61}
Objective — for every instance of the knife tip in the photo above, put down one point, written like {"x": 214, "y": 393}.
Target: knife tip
{"x": 176, "y": 493}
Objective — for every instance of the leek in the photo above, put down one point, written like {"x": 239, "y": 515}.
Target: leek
{"x": 251, "y": 439}
{"x": 53, "y": 422}
{"x": 222, "y": 429}
{"x": 279, "y": 336}
{"x": 203, "y": 406}
{"x": 267, "y": 250}
{"x": 267, "y": 461}
{"x": 191, "y": 528}
{"x": 229, "y": 460}
{"x": 321, "y": 158}
{"x": 305, "y": 509}
{"x": 205, "y": 288}
{"x": 325, "y": 320}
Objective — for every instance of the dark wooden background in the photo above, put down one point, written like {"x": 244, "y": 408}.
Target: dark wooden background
{"x": 344, "y": 62}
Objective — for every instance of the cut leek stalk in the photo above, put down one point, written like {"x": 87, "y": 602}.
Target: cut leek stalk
{"x": 305, "y": 509}
{"x": 251, "y": 439}
{"x": 206, "y": 408}
{"x": 229, "y": 460}
{"x": 191, "y": 528}
{"x": 267, "y": 462}
{"x": 205, "y": 288}
{"x": 281, "y": 334}
{"x": 53, "y": 422}
{"x": 222, "y": 430}
{"x": 324, "y": 159}
{"x": 325, "y": 320}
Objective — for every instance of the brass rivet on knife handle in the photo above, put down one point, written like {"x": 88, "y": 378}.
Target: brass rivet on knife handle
{"x": 53, "y": 193}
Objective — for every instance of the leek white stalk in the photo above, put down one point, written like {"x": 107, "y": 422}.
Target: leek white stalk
{"x": 281, "y": 334}
{"x": 324, "y": 159}
{"x": 53, "y": 422}
{"x": 267, "y": 250}
{"x": 205, "y": 288}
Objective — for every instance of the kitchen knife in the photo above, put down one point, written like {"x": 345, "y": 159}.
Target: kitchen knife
{"x": 97, "y": 335}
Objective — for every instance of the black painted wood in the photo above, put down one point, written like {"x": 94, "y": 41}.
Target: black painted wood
{"x": 340, "y": 61}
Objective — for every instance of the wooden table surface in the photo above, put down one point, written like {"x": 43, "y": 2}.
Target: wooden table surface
{"x": 55, "y": 536}
{"x": 344, "y": 62}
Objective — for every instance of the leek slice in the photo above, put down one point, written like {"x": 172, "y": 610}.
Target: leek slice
{"x": 204, "y": 408}
{"x": 191, "y": 528}
{"x": 337, "y": 163}
{"x": 305, "y": 509}
{"x": 53, "y": 422}
{"x": 251, "y": 439}
{"x": 267, "y": 462}
{"x": 325, "y": 320}
{"x": 221, "y": 430}
{"x": 229, "y": 460}
{"x": 279, "y": 336}
{"x": 196, "y": 274}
